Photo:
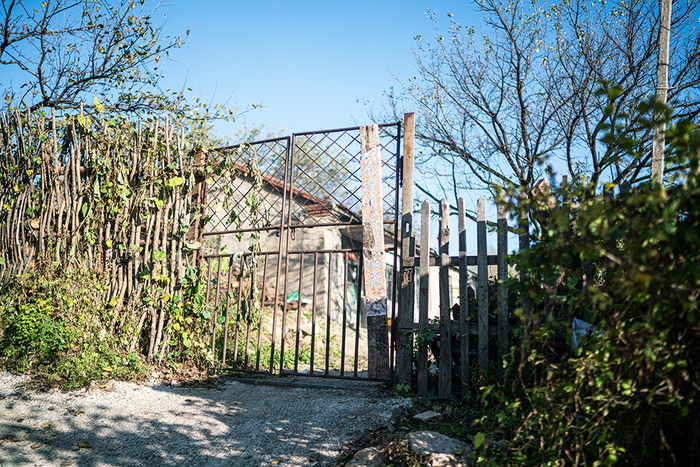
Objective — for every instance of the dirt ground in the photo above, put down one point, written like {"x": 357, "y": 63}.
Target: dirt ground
{"x": 217, "y": 422}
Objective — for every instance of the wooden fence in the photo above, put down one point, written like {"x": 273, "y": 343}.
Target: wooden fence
{"x": 106, "y": 194}
{"x": 459, "y": 323}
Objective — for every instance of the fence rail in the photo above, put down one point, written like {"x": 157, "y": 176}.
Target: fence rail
{"x": 450, "y": 337}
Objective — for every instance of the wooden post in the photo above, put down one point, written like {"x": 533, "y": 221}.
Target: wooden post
{"x": 463, "y": 299}
{"x": 424, "y": 284}
{"x": 445, "y": 365}
{"x": 404, "y": 338}
{"x": 659, "y": 138}
{"x": 502, "y": 289}
{"x": 373, "y": 254}
{"x": 482, "y": 292}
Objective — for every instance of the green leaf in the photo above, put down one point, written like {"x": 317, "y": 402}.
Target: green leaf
{"x": 479, "y": 439}
{"x": 175, "y": 181}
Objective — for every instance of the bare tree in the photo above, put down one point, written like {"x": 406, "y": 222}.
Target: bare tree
{"x": 493, "y": 108}
{"x": 618, "y": 44}
{"x": 64, "y": 52}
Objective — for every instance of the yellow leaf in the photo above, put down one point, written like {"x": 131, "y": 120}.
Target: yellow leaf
{"x": 84, "y": 445}
{"x": 276, "y": 461}
{"x": 36, "y": 445}
{"x": 46, "y": 425}
{"x": 79, "y": 412}
{"x": 107, "y": 368}
{"x": 98, "y": 105}
{"x": 352, "y": 416}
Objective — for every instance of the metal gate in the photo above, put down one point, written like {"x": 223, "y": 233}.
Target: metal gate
{"x": 282, "y": 252}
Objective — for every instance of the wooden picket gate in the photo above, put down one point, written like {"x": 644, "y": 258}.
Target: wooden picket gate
{"x": 458, "y": 323}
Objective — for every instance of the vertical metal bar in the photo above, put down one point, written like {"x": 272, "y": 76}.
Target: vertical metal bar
{"x": 287, "y": 250}
{"x": 313, "y": 317}
{"x": 251, "y": 309}
{"x": 238, "y": 309}
{"x": 216, "y": 299}
{"x": 213, "y": 315}
{"x": 228, "y": 305}
{"x": 281, "y": 248}
{"x": 394, "y": 292}
{"x": 283, "y": 337}
{"x": 328, "y": 311}
{"x": 483, "y": 284}
{"x": 299, "y": 305}
{"x": 262, "y": 313}
{"x": 345, "y": 317}
{"x": 463, "y": 300}
{"x": 358, "y": 324}
{"x": 445, "y": 365}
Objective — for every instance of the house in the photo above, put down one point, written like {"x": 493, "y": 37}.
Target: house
{"x": 308, "y": 248}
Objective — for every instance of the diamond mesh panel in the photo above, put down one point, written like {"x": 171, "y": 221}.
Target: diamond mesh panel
{"x": 327, "y": 178}
{"x": 233, "y": 202}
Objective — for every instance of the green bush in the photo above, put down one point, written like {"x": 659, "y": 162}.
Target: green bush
{"x": 630, "y": 266}
{"x": 56, "y": 325}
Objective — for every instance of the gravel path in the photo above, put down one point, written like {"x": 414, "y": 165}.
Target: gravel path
{"x": 232, "y": 424}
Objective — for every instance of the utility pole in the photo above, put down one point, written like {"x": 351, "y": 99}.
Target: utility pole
{"x": 659, "y": 140}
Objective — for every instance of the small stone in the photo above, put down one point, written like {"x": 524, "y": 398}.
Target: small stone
{"x": 447, "y": 460}
{"x": 368, "y": 457}
{"x": 429, "y": 415}
{"x": 175, "y": 384}
{"x": 426, "y": 443}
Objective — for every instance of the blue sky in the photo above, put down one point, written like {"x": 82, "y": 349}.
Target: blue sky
{"x": 312, "y": 64}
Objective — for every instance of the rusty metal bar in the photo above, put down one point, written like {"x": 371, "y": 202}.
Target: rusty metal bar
{"x": 249, "y": 319}
{"x": 238, "y": 307}
{"x": 262, "y": 313}
{"x": 281, "y": 247}
{"x": 313, "y": 316}
{"x": 299, "y": 304}
{"x": 328, "y": 310}
{"x": 345, "y": 317}
{"x": 352, "y": 128}
{"x": 358, "y": 320}
{"x": 394, "y": 292}
{"x": 216, "y": 301}
{"x": 228, "y": 307}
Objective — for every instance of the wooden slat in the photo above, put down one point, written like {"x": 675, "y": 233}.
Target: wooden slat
{"x": 482, "y": 285}
{"x": 463, "y": 298}
{"x": 422, "y": 363}
{"x": 404, "y": 341}
{"x": 445, "y": 364}
{"x": 502, "y": 290}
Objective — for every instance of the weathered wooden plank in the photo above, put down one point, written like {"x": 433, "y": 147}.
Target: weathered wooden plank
{"x": 482, "y": 291}
{"x": 424, "y": 281}
{"x": 463, "y": 298}
{"x": 373, "y": 253}
{"x": 502, "y": 289}
{"x": 404, "y": 341}
{"x": 445, "y": 364}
